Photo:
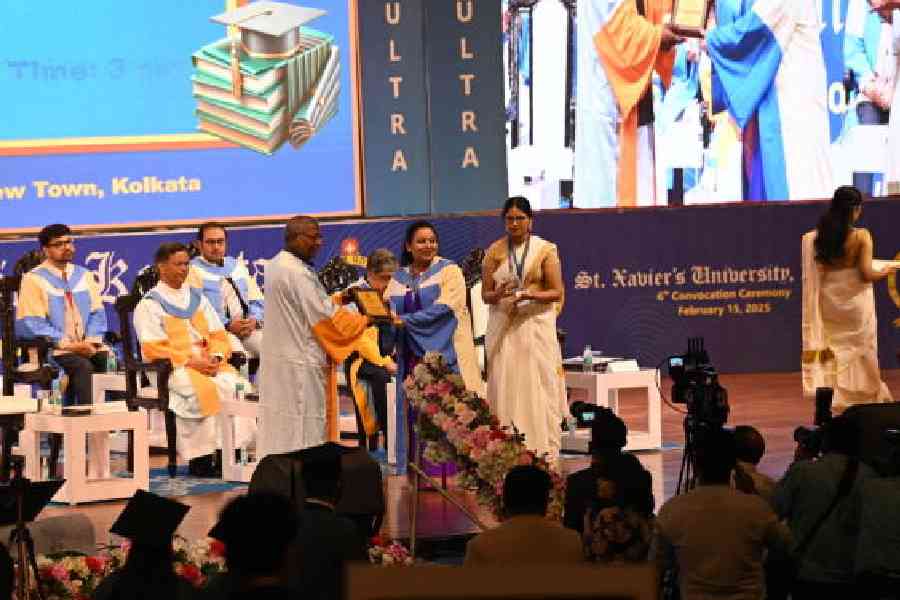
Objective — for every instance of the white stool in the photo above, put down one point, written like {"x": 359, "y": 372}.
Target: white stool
{"x": 231, "y": 469}
{"x": 602, "y": 390}
{"x": 75, "y": 431}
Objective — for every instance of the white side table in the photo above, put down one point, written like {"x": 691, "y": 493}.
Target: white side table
{"x": 115, "y": 382}
{"x": 79, "y": 486}
{"x": 602, "y": 390}
{"x": 229, "y": 409}
{"x": 99, "y": 443}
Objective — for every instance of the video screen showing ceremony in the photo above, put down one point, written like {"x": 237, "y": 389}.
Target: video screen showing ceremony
{"x": 410, "y": 299}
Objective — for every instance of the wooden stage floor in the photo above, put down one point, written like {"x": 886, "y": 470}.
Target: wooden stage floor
{"x": 771, "y": 402}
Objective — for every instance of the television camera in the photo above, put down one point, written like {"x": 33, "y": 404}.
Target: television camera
{"x": 695, "y": 383}
{"x": 809, "y": 439}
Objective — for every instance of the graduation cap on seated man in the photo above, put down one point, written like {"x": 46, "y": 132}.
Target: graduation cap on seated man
{"x": 281, "y": 76}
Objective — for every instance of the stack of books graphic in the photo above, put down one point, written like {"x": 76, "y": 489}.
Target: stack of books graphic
{"x": 281, "y": 98}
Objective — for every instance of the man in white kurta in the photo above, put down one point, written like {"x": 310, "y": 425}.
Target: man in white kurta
{"x": 307, "y": 334}
{"x": 176, "y": 322}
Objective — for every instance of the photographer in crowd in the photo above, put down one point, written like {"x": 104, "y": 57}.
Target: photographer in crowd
{"x": 717, "y": 535}
{"x": 877, "y": 564}
{"x": 820, "y": 500}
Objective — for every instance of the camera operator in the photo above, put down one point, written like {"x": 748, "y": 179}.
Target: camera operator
{"x": 820, "y": 500}
{"x": 717, "y": 535}
{"x": 878, "y": 549}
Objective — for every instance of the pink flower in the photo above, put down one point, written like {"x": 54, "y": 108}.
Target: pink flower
{"x": 443, "y": 387}
{"x": 432, "y": 409}
{"x": 59, "y": 572}
{"x": 526, "y": 458}
{"x": 481, "y": 437}
{"x": 446, "y": 425}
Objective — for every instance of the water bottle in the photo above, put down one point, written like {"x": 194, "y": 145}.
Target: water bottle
{"x": 55, "y": 395}
{"x": 242, "y": 456}
{"x": 245, "y": 370}
{"x": 111, "y": 366}
{"x": 239, "y": 392}
{"x": 571, "y": 424}
{"x": 43, "y": 399}
{"x": 587, "y": 359}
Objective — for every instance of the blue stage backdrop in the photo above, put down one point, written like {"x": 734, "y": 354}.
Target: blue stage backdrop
{"x": 638, "y": 283}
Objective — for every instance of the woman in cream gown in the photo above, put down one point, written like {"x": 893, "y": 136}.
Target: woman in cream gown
{"x": 840, "y": 329}
{"x": 522, "y": 283}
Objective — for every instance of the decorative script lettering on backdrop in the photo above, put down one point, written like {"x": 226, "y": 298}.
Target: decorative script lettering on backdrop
{"x": 704, "y": 290}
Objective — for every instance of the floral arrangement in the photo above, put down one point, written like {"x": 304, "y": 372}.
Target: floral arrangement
{"x": 198, "y": 561}
{"x": 457, "y": 426}
{"x": 384, "y": 553}
{"x": 72, "y": 575}
{"x": 75, "y": 576}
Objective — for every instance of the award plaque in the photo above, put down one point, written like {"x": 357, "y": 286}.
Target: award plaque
{"x": 689, "y": 17}
{"x": 371, "y": 304}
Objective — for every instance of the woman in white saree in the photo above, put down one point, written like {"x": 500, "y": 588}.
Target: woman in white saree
{"x": 840, "y": 329}
{"x": 522, "y": 283}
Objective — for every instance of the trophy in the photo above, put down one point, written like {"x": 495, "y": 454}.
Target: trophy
{"x": 689, "y": 17}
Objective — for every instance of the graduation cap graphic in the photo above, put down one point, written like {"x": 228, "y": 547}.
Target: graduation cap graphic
{"x": 274, "y": 79}
{"x": 269, "y": 29}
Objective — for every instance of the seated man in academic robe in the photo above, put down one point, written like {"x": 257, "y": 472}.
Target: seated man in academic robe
{"x": 176, "y": 322}
{"x": 230, "y": 289}
{"x": 60, "y": 301}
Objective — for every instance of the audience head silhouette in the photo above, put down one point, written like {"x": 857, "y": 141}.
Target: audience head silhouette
{"x": 526, "y": 491}
{"x": 322, "y": 472}
{"x": 150, "y": 520}
{"x": 608, "y": 432}
{"x": 841, "y": 435}
{"x": 749, "y": 444}
{"x": 716, "y": 456}
{"x": 257, "y": 530}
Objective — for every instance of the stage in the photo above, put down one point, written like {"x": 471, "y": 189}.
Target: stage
{"x": 769, "y": 401}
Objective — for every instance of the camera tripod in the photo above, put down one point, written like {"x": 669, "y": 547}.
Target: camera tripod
{"x": 21, "y": 537}
{"x": 687, "y": 475}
